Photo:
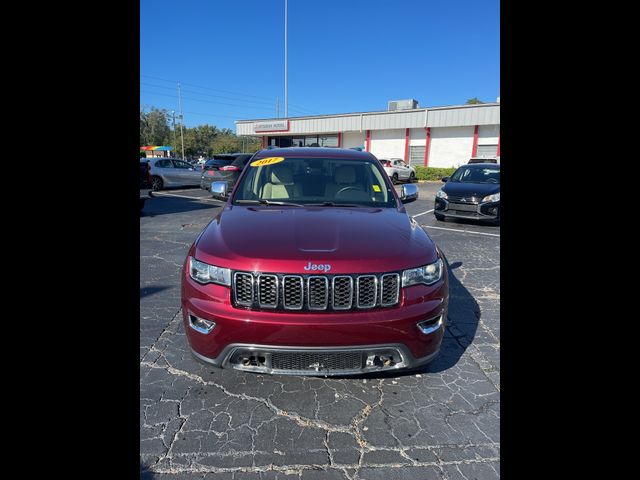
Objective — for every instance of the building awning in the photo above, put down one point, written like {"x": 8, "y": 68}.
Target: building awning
{"x": 152, "y": 147}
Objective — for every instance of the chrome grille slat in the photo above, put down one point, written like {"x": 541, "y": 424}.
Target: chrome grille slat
{"x": 243, "y": 288}
{"x": 267, "y": 291}
{"x": 389, "y": 289}
{"x": 366, "y": 291}
{"x": 342, "y": 292}
{"x": 293, "y": 292}
{"x": 315, "y": 292}
{"x": 462, "y": 199}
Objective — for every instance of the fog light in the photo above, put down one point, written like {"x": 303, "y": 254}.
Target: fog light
{"x": 380, "y": 361}
{"x": 431, "y": 325}
{"x": 200, "y": 324}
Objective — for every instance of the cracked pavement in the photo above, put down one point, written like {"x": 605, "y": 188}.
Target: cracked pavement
{"x": 197, "y": 422}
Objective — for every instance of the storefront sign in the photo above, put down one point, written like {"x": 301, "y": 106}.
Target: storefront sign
{"x": 271, "y": 126}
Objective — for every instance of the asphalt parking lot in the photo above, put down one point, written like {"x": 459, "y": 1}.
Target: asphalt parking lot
{"x": 197, "y": 422}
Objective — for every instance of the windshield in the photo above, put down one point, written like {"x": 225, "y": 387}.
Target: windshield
{"x": 476, "y": 175}
{"x": 314, "y": 181}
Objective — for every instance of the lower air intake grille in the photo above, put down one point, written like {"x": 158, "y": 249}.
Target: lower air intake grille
{"x": 316, "y": 361}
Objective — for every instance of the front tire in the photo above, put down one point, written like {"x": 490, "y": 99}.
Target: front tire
{"x": 412, "y": 177}
{"x": 156, "y": 183}
{"x": 439, "y": 217}
{"x": 394, "y": 178}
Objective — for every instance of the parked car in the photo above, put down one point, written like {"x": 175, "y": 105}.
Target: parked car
{"x": 313, "y": 267}
{"x": 171, "y": 172}
{"x": 472, "y": 193}
{"x": 398, "y": 170}
{"x": 144, "y": 173}
{"x": 226, "y": 173}
{"x": 144, "y": 181}
{"x": 484, "y": 160}
{"x": 214, "y": 164}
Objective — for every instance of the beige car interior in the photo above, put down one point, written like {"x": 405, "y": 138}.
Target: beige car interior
{"x": 344, "y": 186}
{"x": 281, "y": 184}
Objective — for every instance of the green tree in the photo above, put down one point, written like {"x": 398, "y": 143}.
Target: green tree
{"x": 473, "y": 101}
{"x": 154, "y": 127}
{"x": 205, "y": 140}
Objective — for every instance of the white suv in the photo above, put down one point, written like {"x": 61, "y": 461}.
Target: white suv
{"x": 398, "y": 170}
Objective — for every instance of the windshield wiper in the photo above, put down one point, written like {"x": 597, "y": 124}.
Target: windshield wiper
{"x": 334, "y": 204}
{"x": 268, "y": 202}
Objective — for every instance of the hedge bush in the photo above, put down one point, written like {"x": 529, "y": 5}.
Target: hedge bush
{"x": 433, "y": 173}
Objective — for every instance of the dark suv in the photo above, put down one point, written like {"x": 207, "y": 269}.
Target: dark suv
{"x": 314, "y": 267}
{"x": 220, "y": 172}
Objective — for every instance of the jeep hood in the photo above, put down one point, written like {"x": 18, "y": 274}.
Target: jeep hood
{"x": 286, "y": 239}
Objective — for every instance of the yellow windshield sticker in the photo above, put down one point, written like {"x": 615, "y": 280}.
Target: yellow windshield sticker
{"x": 376, "y": 188}
{"x": 266, "y": 161}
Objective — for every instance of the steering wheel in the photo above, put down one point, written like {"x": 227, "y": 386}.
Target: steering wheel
{"x": 491, "y": 180}
{"x": 345, "y": 189}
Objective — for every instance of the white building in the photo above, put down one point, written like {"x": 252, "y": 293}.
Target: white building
{"x": 434, "y": 136}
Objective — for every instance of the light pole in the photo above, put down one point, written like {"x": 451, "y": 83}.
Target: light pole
{"x": 181, "y": 119}
{"x": 173, "y": 115}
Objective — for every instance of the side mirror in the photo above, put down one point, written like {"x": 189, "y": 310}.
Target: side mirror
{"x": 409, "y": 193}
{"x": 445, "y": 179}
{"x": 219, "y": 191}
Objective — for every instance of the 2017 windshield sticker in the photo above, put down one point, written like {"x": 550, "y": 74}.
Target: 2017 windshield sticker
{"x": 266, "y": 161}
{"x": 376, "y": 188}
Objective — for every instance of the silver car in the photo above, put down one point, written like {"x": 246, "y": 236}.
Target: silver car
{"x": 398, "y": 170}
{"x": 171, "y": 172}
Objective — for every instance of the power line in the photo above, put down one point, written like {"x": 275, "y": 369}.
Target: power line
{"x": 210, "y": 101}
{"x": 297, "y": 107}
{"x": 218, "y": 96}
{"x": 208, "y": 94}
{"x": 206, "y": 88}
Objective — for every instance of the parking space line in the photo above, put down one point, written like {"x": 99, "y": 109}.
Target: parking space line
{"x": 462, "y": 231}
{"x": 423, "y": 213}
{"x": 186, "y": 190}
{"x": 165, "y": 194}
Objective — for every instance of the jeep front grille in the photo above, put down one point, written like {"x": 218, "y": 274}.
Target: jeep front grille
{"x": 315, "y": 292}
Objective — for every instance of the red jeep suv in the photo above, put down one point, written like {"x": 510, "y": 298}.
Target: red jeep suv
{"x": 313, "y": 267}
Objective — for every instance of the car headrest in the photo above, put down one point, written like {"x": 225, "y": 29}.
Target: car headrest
{"x": 281, "y": 174}
{"x": 345, "y": 175}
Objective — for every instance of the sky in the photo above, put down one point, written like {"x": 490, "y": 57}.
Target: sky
{"x": 344, "y": 56}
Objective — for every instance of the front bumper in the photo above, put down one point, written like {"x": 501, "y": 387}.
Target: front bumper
{"x": 315, "y": 343}
{"x": 318, "y": 361}
{"x": 205, "y": 182}
{"x": 489, "y": 211}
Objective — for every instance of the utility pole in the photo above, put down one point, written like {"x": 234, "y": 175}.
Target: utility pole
{"x": 181, "y": 119}
{"x": 277, "y": 108}
{"x": 286, "y": 57}
{"x": 173, "y": 114}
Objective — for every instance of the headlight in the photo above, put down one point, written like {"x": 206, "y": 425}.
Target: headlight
{"x": 429, "y": 274}
{"x": 204, "y": 273}
{"x": 441, "y": 194}
{"x": 492, "y": 198}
